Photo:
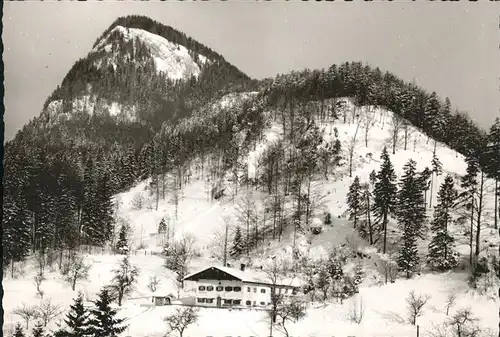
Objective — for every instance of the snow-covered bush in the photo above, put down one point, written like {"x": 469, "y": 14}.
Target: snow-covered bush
{"x": 388, "y": 268}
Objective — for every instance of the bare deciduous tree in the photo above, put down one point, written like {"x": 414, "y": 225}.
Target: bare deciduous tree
{"x": 77, "y": 271}
{"x": 178, "y": 257}
{"x": 27, "y": 313}
{"x": 41, "y": 262}
{"x": 396, "y": 124}
{"x": 153, "y": 283}
{"x": 181, "y": 319}
{"x": 291, "y": 310}
{"x": 137, "y": 201}
{"x": 415, "y": 304}
{"x": 450, "y": 302}
{"x": 247, "y": 216}
{"x": 125, "y": 276}
{"x": 464, "y": 324}
{"x": 38, "y": 279}
{"x": 48, "y": 311}
{"x": 351, "y": 147}
{"x": 220, "y": 241}
{"x": 368, "y": 122}
{"x": 176, "y": 194}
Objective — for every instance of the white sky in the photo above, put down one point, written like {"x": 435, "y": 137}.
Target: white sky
{"x": 450, "y": 48}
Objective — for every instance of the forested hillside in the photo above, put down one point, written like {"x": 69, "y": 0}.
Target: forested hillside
{"x": 63, "y": 168}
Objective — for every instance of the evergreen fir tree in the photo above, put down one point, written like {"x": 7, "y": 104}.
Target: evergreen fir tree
{"x": 437, "y": 169}
{"x": 411, "y": 217}
{"x": 122, "y": 244}
{"x": 238, "y": 245}
{"x": 18, "y": 332}
{"x": 38, "y": 329}
{"x": 354, "y": 200}
{"x": 441, "y": 255}
{"x": 16, "y": 231}
{"x": 493, "y": 165}
{"x": 162, "y": 227}
{"x": 385, "y": 194}
{"x": 469, "y": 185}
{"x": 432, "y": 114}
{"x": 328, "y": 219}
{"x": 104, "y": 322}
{"x": 77, "y": 319}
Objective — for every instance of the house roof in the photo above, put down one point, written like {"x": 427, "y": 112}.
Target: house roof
{"x": 247, "y": 276}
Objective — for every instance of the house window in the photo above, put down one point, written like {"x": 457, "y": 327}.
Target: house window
{"x": 219, "y": 288}
{"x": 248, "y": 289}
{"x": 254, "y": 290}
{"x": 263, "y": 291}
{"x": 209, "y": 300}
{"x": 210, "y": 288}
{"x": 229, "y": 288}
{"x": 237, "y": 289}
{"x": 227, "y": 301}
{"x": 201, "y": 288}
{"x": 262, "y": 303}
{"x": 201, "y": 300}
{"x": 248, "y": 302}
{"x": 237, "y": 302}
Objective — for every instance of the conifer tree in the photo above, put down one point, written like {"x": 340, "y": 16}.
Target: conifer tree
{"x": 238, "y": 245}
{"x": 432, "y": 114}
{"x": 104, "y": 322}
{"x": 18, "y": 332}
{"x": 122, "y": 243}
{"x": 385, "y": 194}
{"x": 469, "y": 184}
{"x": 38, "y": 329}
{"x": 411, "y": 216}
{"x": 493, "y": 159}
{"x": 368, "y": 230}
{"x": 16, "y": 231}
{"x": 354, "y": 200}
{"x": 162, "y": 227}
{"x": 441, "y": 255}
{"x": 77, "y": 319}
{"x": 437, "y": 169}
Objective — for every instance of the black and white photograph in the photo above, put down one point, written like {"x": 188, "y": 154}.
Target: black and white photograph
{"x": 251, "y": 168}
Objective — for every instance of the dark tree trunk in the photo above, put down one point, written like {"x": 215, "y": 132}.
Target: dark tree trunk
{"x": 496, "y": 204}
{"x": 385, "y": 231}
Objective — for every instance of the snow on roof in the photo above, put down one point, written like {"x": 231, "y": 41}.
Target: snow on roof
{"x": 316, "y": 222}
{"x": 249, "y": 276}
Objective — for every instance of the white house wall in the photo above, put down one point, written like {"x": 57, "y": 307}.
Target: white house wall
{"x": 193, "y": 287}
{"x": 249, "y": 292}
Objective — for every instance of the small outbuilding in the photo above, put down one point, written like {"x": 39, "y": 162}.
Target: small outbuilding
{"x": 161, "y": 300}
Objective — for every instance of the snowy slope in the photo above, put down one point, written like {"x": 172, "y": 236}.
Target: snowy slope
{"x": 174, "y": 60}
{"x": 201, "y": 218}
{"x": 89, "y": 104}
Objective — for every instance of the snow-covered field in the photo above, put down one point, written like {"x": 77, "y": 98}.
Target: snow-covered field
{"x": 384, "y": 305}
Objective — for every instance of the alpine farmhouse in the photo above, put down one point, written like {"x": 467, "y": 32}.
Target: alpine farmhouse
{"x": 217, "y": 286}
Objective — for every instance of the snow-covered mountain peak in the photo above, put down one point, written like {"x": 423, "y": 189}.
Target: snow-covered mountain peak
{"x": 176, "y": 61}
